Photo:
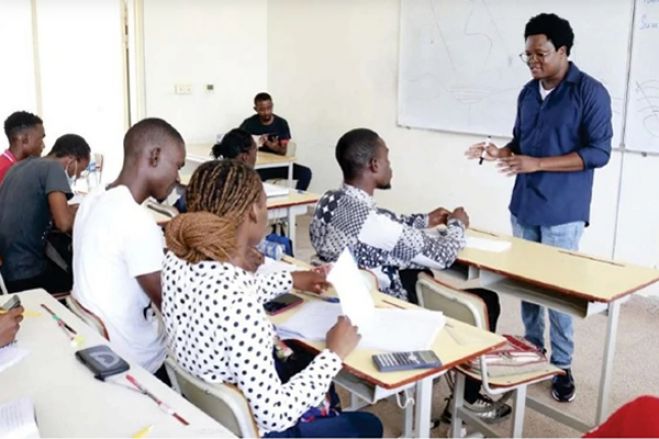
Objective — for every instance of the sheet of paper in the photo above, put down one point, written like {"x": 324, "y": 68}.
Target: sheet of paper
{"x": 10, "y": 355}
{"x": 389, "y": 329}
{"x": 270, "y": 266}
{"x": 488, "y": 245}
{"x": 273, "y": 190}
{"x": 356, "y": 300}
{"x": 17, "y": 419}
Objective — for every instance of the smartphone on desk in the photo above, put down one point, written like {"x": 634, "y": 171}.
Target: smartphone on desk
{"x": 282, "y": 303}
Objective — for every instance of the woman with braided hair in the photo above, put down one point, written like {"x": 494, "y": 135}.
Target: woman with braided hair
{"x": 216, "y": 326}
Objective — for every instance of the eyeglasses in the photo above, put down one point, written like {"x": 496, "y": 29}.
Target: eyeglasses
{"x": 526, "y": 57}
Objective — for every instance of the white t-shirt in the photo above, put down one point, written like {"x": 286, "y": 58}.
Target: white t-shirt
{"x": 114, "y": 241}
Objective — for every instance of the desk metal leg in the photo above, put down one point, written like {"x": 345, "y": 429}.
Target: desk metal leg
{"x": 457, "y": 402}
{"x": 290, "y": 175}
{"x": 291, "y": 225}
{"x": 423, "y": 407}
{"x": 408, "y": 421}
{"x": 607, "y": 363}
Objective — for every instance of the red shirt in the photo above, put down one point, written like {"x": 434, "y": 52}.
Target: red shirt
{"x": 7, "y": 160}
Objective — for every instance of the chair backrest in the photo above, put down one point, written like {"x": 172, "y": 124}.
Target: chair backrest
{"x": 223, "y": 402}
{"x": 291, "y": 148}
{"x": 87, "y": 316}
{"x": 459, "y": 305}
{"x": 3, "y": 287}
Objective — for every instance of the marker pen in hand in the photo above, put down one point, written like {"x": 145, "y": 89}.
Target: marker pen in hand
{"x": 487, "y": 143}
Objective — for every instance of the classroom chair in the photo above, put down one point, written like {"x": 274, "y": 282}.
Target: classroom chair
{"x": 221, "y": 401}
{"x": 87, "y": 316}
{"x": 471, "y": 309}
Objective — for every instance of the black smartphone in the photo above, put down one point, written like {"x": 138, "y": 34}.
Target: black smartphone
{"x": 13, "y": 302}
{"x": 102, "y": 361}
{"x": 282, "y": 303}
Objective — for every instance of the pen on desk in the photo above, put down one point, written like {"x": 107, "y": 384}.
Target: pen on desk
{"x": 487, "y": 143}
{"x": 167, "y": 409}
{"x": 58, "y": 319}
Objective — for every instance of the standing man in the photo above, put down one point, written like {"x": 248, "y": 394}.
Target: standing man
{"x": 25, "y": 133}
{"x": 118, "y": 247}
{"x": 562, "y": 133}
{"x": 274, "y": 136}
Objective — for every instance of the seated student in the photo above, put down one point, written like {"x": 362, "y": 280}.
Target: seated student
{"x": 236, "y": 144}
{"x": 33, "y": 196}
{"x": 395, "y": 248}
{"x": 274, "y": 137}
{"x": 25, "y": 134}
{"x": 9, "y": 325}
{"x": 216, "y": 326}
{"x": 118, "y": 247}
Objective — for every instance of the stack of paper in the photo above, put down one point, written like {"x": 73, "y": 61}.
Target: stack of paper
{"x": 273, "y": 190}
{"x": 381, "y": 329}
{"x": 17, "y": 419}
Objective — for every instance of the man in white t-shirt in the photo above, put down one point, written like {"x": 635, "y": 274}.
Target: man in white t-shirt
{"x": 118, "y": 247}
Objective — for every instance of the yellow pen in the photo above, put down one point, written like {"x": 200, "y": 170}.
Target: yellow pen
{"x": 144, "y": 432}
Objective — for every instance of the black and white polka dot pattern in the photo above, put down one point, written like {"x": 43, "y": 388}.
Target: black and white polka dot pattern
{"x": 218, "y": 331}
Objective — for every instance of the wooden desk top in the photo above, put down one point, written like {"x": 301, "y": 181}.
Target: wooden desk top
{"x": 201, "y": 152}
{"x": 456, "y": 343}
{"x": 69, "y": 402}
{"x": 572, "y": 273}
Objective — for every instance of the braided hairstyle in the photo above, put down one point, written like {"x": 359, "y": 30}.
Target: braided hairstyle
{"x": 218, "y": 196}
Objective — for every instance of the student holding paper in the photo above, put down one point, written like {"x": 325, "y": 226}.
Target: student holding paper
{"x": 9, "y": 324}
{"x": 213, "y": 311}
{"x": 395, "y": 248}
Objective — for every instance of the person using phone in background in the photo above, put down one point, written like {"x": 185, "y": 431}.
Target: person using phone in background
{"x": 274, "y": 134}
{"x": 213, "y": 311}
{"x": 9, "y": 324}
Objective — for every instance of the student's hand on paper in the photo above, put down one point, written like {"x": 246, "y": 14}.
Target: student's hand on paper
{"x": 342, "y": 338}
{"x": 475, "y": 151}
{"x": 9, "y": 324}
{"x": 312, "y": 280}
{"x": 460, "y": 214}
{"x": 254, "y": 259}
{"x": 438, "y": 216}
{"x": 518, "y": 164}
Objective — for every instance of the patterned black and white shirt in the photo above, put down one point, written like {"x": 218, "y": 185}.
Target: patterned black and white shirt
{"x": 218, "y": 331}
{"x": 380, "y": 240}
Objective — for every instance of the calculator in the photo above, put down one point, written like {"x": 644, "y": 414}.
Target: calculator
{"x": 394, "y": 361}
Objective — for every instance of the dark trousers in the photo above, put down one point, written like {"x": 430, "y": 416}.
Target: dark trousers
{"x": 347, "y": 424}
{"x": 491, "y": 299}
{"x": 300, "y": 173}
{"x": 53, "y": 279}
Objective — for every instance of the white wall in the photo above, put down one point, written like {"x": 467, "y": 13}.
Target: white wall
{"x": 341, "y": 61}
{"x": 17, "y": 84}
{"x": 223, "y": 43}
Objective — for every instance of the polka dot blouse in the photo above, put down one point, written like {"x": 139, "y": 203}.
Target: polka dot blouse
{"x": 218, "y": 331}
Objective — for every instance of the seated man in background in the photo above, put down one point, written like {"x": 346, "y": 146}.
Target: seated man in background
{"x": 118, "y": 247}
{"x": 33, "y": 198}
{"x": 395, "y": 248}
{"x": 274, "y": 136}
{"x": 25, "y": 133}
{"x": 9, "y": 325}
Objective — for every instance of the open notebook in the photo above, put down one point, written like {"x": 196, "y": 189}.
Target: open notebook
{"x": 17, "y": 419}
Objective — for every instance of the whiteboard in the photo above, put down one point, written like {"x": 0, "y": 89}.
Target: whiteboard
{"x": 460, "y": 70}
{"x": 642, "y": 128}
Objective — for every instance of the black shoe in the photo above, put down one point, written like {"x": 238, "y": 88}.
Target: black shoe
{"x": 562, "y": 387}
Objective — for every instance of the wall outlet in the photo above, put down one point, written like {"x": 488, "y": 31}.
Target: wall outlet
{"x": 183, "y": 89}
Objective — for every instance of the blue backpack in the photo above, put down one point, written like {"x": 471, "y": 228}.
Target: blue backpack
{"x": 281, "y": 238}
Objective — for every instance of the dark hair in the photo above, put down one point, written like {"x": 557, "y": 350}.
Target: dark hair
{"x": 235, "y": 142}
{"x": 557, "y": 30}
{"x": 355, "y": 150}
{"x": 219, "y": 194}
{"x": 149, "y": 131}
{"x": 70, "y": 145}
{"x": 260, "y": 97}
{"x": 20, "y": 120}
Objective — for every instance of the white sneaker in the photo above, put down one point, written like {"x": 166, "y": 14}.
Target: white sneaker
{"x": 482, "y": 408}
